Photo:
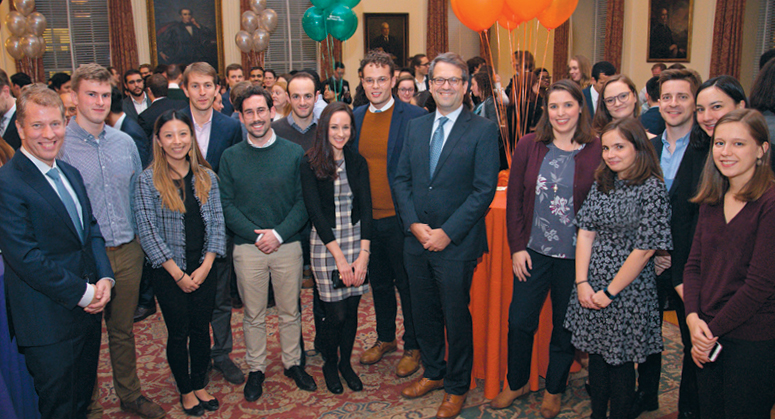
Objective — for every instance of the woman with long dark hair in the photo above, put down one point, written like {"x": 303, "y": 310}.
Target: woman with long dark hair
{"x": 335, "y": 184}
{"x": 715, "y": 98}
{"x": 180, "y": 223}
{"x": 552, "y": 171}
{"x": 729, "y": 280}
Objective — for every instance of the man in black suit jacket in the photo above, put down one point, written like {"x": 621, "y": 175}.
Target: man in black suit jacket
{"x": 388, "y": 43}
{"x": 445, "y": 182}
{"x": 601, "y": 72}
{"x": 119, "y": 120}
{"x": 58, "y": 277}
{"x": 8, "y": 113}
{"x": 136, "y": 99}
{"x": 160, "y": 103}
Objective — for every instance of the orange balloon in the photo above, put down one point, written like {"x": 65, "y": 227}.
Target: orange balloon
{"x": 509, "y": 20}
{"x": 477, "y": 15}
{"x": 557, "y": 13}
{"x": 527, "y": 9}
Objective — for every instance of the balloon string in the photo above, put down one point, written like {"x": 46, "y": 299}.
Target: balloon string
{"x": 484, "y": 38}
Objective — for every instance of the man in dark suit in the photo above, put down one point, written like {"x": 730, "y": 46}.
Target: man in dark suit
{"x": 379, "y": 136}
{"x": 388, "y": 43}
{"x": 445, "y": 182}
{"x": 682, "y": 164}
{"x": 215, "y": 132}
{"x": 58, "y": 277}
{"x": 160, "y": 103}
{"x": 8, "y": 128}
{"x": 119, "y": 120}
{"x": 174, "y": 74}
{"x": 601, "y": 72}
{"x": 136, "y": 101}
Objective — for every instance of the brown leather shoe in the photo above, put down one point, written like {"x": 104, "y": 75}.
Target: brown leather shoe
{"x": 506, "y": 397}
{"x": 376, "y": 352}
{"x": 144, "y": 408}
{"x": 409, "y": 363}
{"x": 451, "y": 406}
{"x": 421, "y": 387}
{"x": 550, "y": 407}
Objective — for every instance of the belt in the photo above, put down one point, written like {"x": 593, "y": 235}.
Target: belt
{"x": 113, "y": 248}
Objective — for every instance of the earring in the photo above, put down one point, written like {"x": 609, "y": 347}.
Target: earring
{"x": 759, "y": 161}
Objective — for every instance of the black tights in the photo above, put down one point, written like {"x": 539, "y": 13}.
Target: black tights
{"x": 338, "y": 329}
{"x": 614, "y": 383}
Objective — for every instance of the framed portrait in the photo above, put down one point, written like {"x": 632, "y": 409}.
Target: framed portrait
{"x": 388, "y": 32}
{"x": 670, "y": 30}
{"x": 186, "y": 31}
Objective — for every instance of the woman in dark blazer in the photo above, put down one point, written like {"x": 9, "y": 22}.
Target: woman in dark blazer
{"x": 335, "y": 184}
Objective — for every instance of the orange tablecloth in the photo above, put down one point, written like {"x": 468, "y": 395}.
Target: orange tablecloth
{"x": 490, "y": 298}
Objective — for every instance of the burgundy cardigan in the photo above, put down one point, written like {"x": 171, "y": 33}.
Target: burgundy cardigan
{"x": 520, "y": 195}
{"x": 729, "y": 279}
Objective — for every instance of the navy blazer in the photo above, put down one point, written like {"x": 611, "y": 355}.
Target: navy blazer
{"x": 47, "y": 264}
{"x": 11, "y": 135}
{"x": 148, "y": 117}
{"x": 228, "y": 108}
{"x": 128, "y": 105}
{"x": 402, "y": 114}
{"x": 588, "y": 98}
{"x": 459, "y": 194}
{"x": 142, "y": 142}
{"x": 224, "y": 133}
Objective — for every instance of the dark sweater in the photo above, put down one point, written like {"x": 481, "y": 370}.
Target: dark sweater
{"x": 261, "y": 189}
{"x": 520, "y": 195}
{"x": 319, "y": 196}
{"x": 729, "y": 280}
{"x": 283, "y": 129}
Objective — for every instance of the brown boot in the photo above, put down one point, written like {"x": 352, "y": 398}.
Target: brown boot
{"x": 550, "y": 407}
{"x": 506, "y": 397}
{"x": 409, "y": 363}
{"x": 376, "y": 352}
{"x": 421, "y": 387}
{"x": 451, "y": 406}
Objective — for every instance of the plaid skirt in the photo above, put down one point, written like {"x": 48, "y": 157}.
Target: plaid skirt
{"x": 347, "y": 235}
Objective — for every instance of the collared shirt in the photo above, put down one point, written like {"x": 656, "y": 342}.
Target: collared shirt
{"x": 7, "y": 118}
{"x": 292, "y": 122}
{"x": 320, "y": 104}
{"x": 203, "y": 133}
{"x": 595, "y": 95}
{"x": 173, "y": 86}
{"x": 271, "y": 141}
{"x": 373, "y": 109}
{"x": 109, "y": 165}
{"x": 671, "y": 161}
{"x": 141, "y": 105}
{"x": 120, "y": 121}
{"x": 452, "y": 116}
{"x": 421, "y": 84}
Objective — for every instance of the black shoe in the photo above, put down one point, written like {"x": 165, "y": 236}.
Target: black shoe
{"x": 197, "y": 410}
{"x": 230, "y": 371}
{"x": 253, "y": 388}
{"x": 210, "y": 405}
{"x": 141, "y": 313}
{"x": 350, "y": 377}
{"x": 331, "y": 375}
{"x": 303, "y": 380}
{"x": 643, "y": 403}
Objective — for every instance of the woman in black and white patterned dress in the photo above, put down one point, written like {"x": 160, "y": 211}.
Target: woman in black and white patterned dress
{"x": 335, "y": 184}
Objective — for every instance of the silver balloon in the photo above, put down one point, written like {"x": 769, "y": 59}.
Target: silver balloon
{"x": 36, "y": 23}
{"x": 260, "y": 40}
{"x": 257, "y": 6}
{"x": 244, "y": 41}
{"x": 41, "y": 47}
{"x": 25, "y": 7}
{"x": 249, "y": 21}
{"x": 16, "y": 23}
{"x": 30, "y": 45}
{"x": 14, "y": 47}
{"x": 269, "y": 20}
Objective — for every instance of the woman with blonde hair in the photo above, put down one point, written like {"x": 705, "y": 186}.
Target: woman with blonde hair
{"x": 282, "y": 104}
{"x": 580, "y": 70}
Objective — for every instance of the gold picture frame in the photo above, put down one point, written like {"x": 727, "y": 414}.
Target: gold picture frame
{"x": 670, "y": 31}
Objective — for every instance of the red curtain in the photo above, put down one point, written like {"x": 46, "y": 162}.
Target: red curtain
{"x": 437, "y": 40}
{"x": 330, "y": 52}
{"x": 32, "y": 67}
{"x": 123, "y": 42}
{"x": 253, "y": 58}
{"x": 614, "y": 32}
{"x": 727, "y": 38}
{"x": 560, "y": 53}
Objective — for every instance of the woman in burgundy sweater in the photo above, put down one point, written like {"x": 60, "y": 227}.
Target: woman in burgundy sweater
{"x": 729, "y": 279}
{"x": 551, "y": 174}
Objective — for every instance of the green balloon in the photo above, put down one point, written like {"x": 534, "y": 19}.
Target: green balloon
{"x": 314, "y": 23}
{"x": 341, "y": 22}
{"x": 349, "y": 3}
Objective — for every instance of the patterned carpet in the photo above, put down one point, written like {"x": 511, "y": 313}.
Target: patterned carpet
{"x": 380, "y": 398}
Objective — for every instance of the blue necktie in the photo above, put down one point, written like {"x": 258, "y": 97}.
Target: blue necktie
{"x": 67, "y": 199}
{"x": 437, "y": 142}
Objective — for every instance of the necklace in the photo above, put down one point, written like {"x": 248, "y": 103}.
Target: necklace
{"x": 555, "y": 187}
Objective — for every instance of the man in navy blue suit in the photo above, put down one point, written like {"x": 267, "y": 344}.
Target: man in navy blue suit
{"x": 445, "y": 182}
{"x": 58, "y": 276}
{"x": 215, "y": 132}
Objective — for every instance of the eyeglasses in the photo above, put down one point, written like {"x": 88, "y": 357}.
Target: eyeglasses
{"x": 406, "y": 90}
{"x": 424, "y": 65}
{"x": 261, "y": 112}
{"x": 453, "y": 81}
{"x": 621, "y": 97}
{"x": 380, "y": 81}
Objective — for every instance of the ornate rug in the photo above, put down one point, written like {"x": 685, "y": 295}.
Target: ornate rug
{"x": 379, "y": 399}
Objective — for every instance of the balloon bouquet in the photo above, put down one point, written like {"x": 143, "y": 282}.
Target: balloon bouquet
{"x": 26, "y": 27}
{"x": 334, "y": 17}
{"x": 257, "y": 24}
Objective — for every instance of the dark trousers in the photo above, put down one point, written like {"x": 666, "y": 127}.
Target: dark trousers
{"x": 64, "y": 373}
{"x": 528, "y": 298}
{"x": 649, "y": 372}
{"x": 611, "y": 383}
{"x": 441, "y": 291}
{"x": 386, "y": 272}
{"x": 338, "y": 328}
{"x": 741, "y": 383}
{"x": 221, "y": 312}
{"x": 187, "y": 316}
{"x": 146, "y": 289}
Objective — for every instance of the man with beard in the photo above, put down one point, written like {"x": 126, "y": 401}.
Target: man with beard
{"x": 136, "y": 101}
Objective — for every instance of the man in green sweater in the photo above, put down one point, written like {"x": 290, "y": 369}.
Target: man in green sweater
{"x": 264, "y": 208}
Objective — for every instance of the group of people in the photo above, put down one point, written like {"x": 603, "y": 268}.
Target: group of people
{"x": 608, "y": 215}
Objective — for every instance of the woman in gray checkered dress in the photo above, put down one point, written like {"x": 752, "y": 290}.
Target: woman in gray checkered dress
{"x": 335, "y": 183}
